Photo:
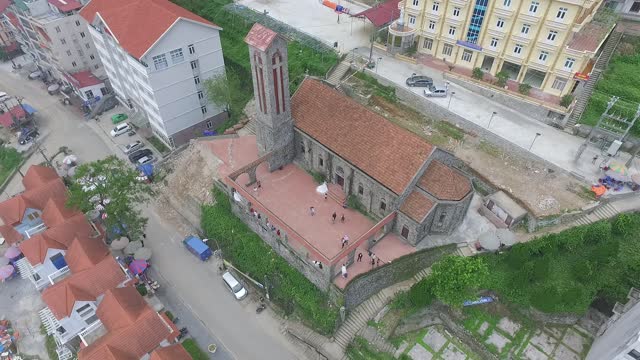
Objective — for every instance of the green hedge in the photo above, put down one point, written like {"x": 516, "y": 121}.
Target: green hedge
{"x": 246, "y": 250}
{"x": 9, "y": 160}
{"x": 194, "y": 350}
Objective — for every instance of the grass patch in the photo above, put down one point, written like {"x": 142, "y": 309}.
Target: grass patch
{"x": 490, "y": 149}
{"x": 246, "y": 250}
{"x": 359, "y": 349}
{"x": 386, "y": 92}
{"x": 10, "y": 158}
{"x": 194, "y": 350}
{"x": 158, "y": 144}
{"x": 449, "y": 130}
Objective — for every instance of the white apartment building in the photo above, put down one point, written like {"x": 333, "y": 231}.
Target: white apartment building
{"x": 157, "y": 58}
{"x": 56, "y": 36}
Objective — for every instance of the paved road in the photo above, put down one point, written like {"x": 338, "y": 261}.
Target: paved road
{"x": 192, "y": 289}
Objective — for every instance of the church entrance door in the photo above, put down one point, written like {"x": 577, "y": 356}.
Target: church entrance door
{"x": 340, "y": 181}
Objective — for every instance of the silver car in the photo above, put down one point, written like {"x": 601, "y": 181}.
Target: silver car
{"x": 128, "y": 149}
{"x": 236, "y": 288}
{"x": 434, "y": 91}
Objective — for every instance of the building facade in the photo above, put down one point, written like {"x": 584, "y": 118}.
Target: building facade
{"x": 55, "y": 36}
{"x": 547, "y": 44}
{"x": 8, "y": 42}
{"x": 628, "y": 9}
{"x": 157, "y": 60}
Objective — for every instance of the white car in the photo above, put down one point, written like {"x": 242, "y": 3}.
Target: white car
{"x": 145, "y": 160}
{"x": 435, "y": 92}
{"x": 234, "y": 286}
{"x": 133, "y": 147}
{"x": 3, "y": 96}
{"x": 120, "y": 129}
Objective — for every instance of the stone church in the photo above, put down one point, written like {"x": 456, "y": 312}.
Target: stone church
{"x": 387, "y": 168}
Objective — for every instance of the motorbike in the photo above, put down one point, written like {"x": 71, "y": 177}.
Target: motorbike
{"x": 261, "y": 307}
{"x": 183, "y": 332}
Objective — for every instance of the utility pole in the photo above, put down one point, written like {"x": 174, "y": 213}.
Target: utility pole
{"x": 604, "y": 115}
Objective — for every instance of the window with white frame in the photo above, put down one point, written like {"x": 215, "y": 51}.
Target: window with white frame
{"x": 507, "y": 3}
{"x": 568, "y": 63}
{"x": 562, "y": 12}
{"x": 432, "y": 25}
{"x": 493, "y": 43}
{"x": 192, "y": 49}
{"x": 525, "y": 29}
{"x": 196, "y": 79}
{"x": 452, "y": 30}
{"x": 63, "y": 41}
{"x": 203, "y": 109}
{"x": 92, "y": 57}
{"x": 194, "y": 64}
{"x": 176, "y": 56}
{"x": 559, "y": 83}
{"x": 544, "y": 55}
{"x": 427, "y": 43}
{"x": 77, "y": 22}
{"x": 160, "y": 62}
{"x": 436, "y": 6}
{"x": 74, "y": 64}
{"x": 87, "y": 45}
{"x": 517, "y": 49}
{"x": 467, "y": 55}
{"x": 82, "y": 35}
{"x": 58, "y": 30}
{"x": 533, "y": 8}
{"x": 500, "y": 23}
{"x": 456, "y": 11}
{"x": 552, "y": 35}
{"x": 68, "y": 52}
{"x": 412, "y": 20}
{"x": 209, "y": 124}
{"x": 447, "y": 49}
{"x": 416, "y": 2}
{"x": 200, "y": 95}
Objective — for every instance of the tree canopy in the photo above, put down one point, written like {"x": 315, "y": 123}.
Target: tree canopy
{"x": 111, "y": 186}
{"x": 454, "y": 279}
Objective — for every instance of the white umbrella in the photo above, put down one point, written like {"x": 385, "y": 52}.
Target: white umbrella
{"x": 142, "y": 254}
{"x": 70, "y": 159}
{"x": 489, "y": 241}
{"x": 132, "y": 247}
{"x": 506, "y": 237}
{"x": 120, "y": 243}
{"x": 323, "y": 189}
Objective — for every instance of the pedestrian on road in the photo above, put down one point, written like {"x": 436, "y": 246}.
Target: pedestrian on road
{"x": 342, "y": 219}
{"x": 344, "y": 270}
{"x": 312, "y": 211}
{"x": 359, "y": 257}
{"x": 378, "y": 262}
{"x": 333, "y": 217}
{"x": 373, "y": 259}
{"x": 595, "y": 158}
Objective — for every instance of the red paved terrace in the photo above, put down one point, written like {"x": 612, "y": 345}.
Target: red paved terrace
{"x": 289, "y": 193}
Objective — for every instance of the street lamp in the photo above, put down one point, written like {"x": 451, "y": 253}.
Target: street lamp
{"x": 450, "y": 98}
{"x": 353, "y": 55}
{"x": 534, "y": 140}
{"x": 492, "y": 115}
{"x": 378, "y": 64}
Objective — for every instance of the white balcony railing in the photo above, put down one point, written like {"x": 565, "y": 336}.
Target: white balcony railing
{"x": 57, "y": 274}
{"x": 91, "y": 328}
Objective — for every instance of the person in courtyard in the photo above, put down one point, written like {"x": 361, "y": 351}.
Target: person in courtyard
{"x": 373, "y": 259}
{"x": 312, "y": 211}
{"x": 325, "y": 196}
{"x": 333, "y": 217}
{"x": 344, "y": 270}
{"x": 342, "y": 218}
{"x": 378, "y": 262}
{"x": 345, "y": 240}
{"x": 359, "y": 257}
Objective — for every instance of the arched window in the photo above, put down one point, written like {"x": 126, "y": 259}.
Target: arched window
{"x": 278, "y": 81}
{"x": 443, "y": 217}
{"x": 257, "y": 60}
{"x": 360, "y": 189}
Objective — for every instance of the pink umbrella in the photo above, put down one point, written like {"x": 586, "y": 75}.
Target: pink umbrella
{"x": 6, "y": 272}
{"x": 12, "y": 252}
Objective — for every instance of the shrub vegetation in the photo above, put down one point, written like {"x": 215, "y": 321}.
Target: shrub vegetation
{"x": 194, "y": 350}
{"x": 246, "y": 250}
{"x": 9, "y": 161}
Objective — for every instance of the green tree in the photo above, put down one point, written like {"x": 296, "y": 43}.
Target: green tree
{"x": 111, "y": 186}
{"x": 629, "y": 253}
{"x": 226, "y": 90}
{"x": 454, "y": 278}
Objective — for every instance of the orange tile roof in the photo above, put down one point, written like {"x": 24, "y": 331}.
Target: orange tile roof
{"x": 417, "y": 206}
{"x": 120, "y": 308}
{"x": 138, "y": 24}
{"x": 10, "y": 235}
{"x": 444, "y": 182}
{"x": 56, "y": 212}
{"x": 382, "y": 150}
{"x": 85, "y": 285}
{"x": 38, "y": 175}
{"x": 35, "y": 248}
{"x": 85, "y": 253}
{"x": 12, "y": 210}
{"x": 133, "y": 341}
{"x": 66, "y": 232}
{"x": 173, "y": 352}
{"x": 39, "y": 196}
{"x": 260, "y": 36}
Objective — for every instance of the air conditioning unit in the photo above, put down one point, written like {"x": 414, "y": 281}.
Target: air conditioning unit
{"x": 614, "y": 147}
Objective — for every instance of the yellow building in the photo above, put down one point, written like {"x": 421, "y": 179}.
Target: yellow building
{"x": 547, "y": 44}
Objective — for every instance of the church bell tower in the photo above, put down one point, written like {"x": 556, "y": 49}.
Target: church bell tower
{"x": 270, "y": 73}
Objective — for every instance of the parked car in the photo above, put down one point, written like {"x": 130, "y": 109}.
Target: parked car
{"x": 419, "y": 81}
{"x": 26, "y": 135}
{"x": 3, "y": 96}
{"x": 119, "y": 118}
{"x": 139, "y": 155}
{"x": 136, "y": 145}
{"x": 35, "y": 75}
{"x": 145, "y": 160}
{"x": 234, "y": 286}
{"x": 434, "y": 91}
{"x": 197, "y": 247}
{"x": 120, "y": 129}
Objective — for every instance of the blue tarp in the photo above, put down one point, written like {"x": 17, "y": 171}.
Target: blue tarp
{"x": 28, "y": 109}
{"x": 147, "y": 169}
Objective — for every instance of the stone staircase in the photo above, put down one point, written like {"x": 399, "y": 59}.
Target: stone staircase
{"x": 338, "y": 73}
{"x": 599, "y": 67}
{"x": 606, "y": 211}
{"x": 378, "y": 341}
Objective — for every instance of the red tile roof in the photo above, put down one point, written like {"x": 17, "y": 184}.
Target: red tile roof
{"x": 260, "y": 37}
{"x": 590, "y": 37}
{"x": 4, "y": 4}
{"x": 12, "y": 210}
{"x": 173, "y": 352}
{"x": 382, "y": 150}
{"x": 444, "y": 182}
{"x": 66, "y": 5}
{"x": 83, "y": 79}
{"x": 17, "y": 112}
{"x": 381, "y": 14}
{"x": 85, "y": 285}
{"x": 38, "y": 175}
{"x": 35, "y": 248}
{"x": 39, "y": 196}
{"x": 129, "y": 342}
{"x": 58, "y": 237}
{"x": 10, "y": 235}
{"x": 56, "y": 212}
{"x": 417, "y": 206}
{"x": 120, "y": 308}
{"x": 85, "y": 253}
{"x": 138, "y": 24}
